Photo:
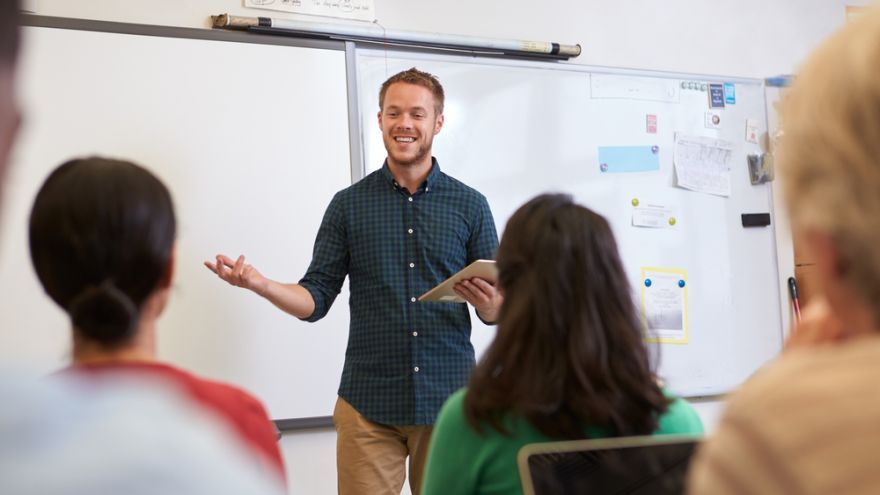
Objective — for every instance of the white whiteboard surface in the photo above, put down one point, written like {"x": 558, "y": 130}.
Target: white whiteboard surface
{"x": 251, "y": 139}
{"x": 517, "y": 129}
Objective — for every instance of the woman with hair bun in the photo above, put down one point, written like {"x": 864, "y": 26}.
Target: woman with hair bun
{"x": 102, "y": 238}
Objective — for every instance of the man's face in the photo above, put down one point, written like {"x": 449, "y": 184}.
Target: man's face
{"x": 409, "y": 124}
{"x": 9, "y": 119}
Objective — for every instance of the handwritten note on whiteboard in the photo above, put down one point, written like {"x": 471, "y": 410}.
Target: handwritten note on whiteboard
{"x": 703, "y": 164}
{"x": 361, "y": 10}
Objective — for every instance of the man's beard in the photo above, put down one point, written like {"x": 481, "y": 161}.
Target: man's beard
{"x": 421, "y": 153}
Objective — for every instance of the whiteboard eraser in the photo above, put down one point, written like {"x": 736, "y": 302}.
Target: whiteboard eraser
{"x": 755, "y": 219}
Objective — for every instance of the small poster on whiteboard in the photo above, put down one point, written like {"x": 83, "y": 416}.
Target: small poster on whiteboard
{"x": 359, "y": 10}
{"x": 664, "y": 305}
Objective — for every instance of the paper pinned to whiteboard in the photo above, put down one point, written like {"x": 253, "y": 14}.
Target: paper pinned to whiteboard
{"x": 627, "y": 159}
{"x": 359, "y": 10}
{"x": 703, "y": 164}
{"x": 653, "y": 215}
{"x": 633, "y": 88}
{"x": 664, "y": 305}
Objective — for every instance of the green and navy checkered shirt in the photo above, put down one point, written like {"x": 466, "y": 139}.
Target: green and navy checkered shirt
{"x": 404, "y": 358}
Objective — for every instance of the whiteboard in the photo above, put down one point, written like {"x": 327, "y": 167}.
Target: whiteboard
{"x": 517, "y": 129}
{"x": 252, "y": 139}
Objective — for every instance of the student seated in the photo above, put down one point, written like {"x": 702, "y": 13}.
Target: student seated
{"x": 568, "y": 361}
{"x": 102, "y": 243}
{"x": 810, "y": 422}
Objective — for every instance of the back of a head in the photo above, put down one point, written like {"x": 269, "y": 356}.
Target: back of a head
{"x": 569, "y": 346}
{"x": 829, "y": 156}
{"x": 101, "y": 238}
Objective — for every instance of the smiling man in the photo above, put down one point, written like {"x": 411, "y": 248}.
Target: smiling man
{"x": 396, "y": 234}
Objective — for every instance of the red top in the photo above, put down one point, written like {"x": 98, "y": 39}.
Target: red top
{"x": 243, "y": 411}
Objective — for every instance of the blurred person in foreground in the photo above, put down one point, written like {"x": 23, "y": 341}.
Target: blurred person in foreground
{"x": 808, "y": 423}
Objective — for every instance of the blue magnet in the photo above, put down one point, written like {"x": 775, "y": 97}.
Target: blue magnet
{"x": 655, "y": 149}
{"x": 647, "y": 282}
{"x": 603, "y": 167}
{"x": 681, "y": 283}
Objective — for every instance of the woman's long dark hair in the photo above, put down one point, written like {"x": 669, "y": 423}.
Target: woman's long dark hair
{"x": 569, "y": 352}
{"x": 101, "y": 237}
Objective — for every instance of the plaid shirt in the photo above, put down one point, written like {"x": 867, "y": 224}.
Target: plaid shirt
{"x": 404, "y": 358}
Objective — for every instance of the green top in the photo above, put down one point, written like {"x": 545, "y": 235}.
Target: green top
{"x": 462, "y": 461}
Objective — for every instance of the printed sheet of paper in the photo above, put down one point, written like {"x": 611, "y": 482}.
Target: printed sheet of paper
{"x": 729, "y": 93}
{"x": 753, "y": 129}
{"x": 703, "y": 164}
{"x": 664, "y": 305}
{"x": 361, "y": 10}
{"x": 653, "y": 216}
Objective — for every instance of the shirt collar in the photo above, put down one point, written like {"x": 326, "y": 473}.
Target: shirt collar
{"x": 430, "y": 181}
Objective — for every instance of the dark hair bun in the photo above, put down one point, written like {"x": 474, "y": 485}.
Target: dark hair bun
{"x": 104, "y": 313}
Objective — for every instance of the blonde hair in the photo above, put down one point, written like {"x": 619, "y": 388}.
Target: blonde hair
{"x": 419, "y": 78}
{"x": 829, "y": 156}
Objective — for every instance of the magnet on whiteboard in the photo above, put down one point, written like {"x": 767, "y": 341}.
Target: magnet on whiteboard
{"x": 713, "y": 120}
{"x": 635, "y": 202}
{"x": 681, "y": 283}
{"x": 647, "y": 282}
{"x": 603, "y": 167}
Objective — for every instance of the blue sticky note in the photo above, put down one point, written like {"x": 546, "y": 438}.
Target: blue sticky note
{"x": 716, "y": 95}
{"x": 730, "y": 93}
{"x": 622, "y": 159}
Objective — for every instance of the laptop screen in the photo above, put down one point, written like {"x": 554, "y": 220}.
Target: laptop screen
{"x": 654, "y": 465}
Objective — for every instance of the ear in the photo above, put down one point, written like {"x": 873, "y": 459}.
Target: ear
{"x": 819, "y": 248}
{"x": 379, "y": 118}
{"x": 168, "y": 274}
{"x": 438, "y": 124}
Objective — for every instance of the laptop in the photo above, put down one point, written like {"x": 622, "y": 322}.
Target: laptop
{"x": 655, "y": 465}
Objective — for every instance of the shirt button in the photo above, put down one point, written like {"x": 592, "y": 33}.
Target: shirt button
{"x": 412, "y": 265}
{"x": 416, "y": 369}
{"x": 415, "y": 334}
{"x": 410, "y": 231}
{"x": 410, "y": 199}
{"x": 412, "y": 299}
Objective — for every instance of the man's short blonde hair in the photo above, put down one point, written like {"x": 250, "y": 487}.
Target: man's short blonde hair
{"x": 418, "y": 78}
{"x": 829, "y": 155}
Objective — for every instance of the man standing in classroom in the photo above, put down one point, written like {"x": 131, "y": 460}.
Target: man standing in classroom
{"x": 396, "y": 233}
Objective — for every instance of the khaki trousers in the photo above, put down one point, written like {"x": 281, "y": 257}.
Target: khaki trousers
{"x": 371, "y": 457}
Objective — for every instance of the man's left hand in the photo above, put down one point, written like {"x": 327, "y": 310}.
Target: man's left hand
{"x": 482, "y": 295}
